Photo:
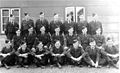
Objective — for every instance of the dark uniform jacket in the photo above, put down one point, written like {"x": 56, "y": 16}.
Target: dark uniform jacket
{"x": 76, "y": 52}
{"x": 53, "y": 25}
{"x": 39, "y": 23}
{"x": 11, "y": 27}
{"x": 39, "y": 52}
{"x": 59, "y": 50}
{"x": 17, "y": 41}
{"x": 100, "y": 39}
{"x": 84, "y": 39}
{"x": 20, "y": 51}
{"x": 92, "y": 54}
{"x": 111, "y": 50}
{"x": 26, "y": 24}
{"x": 70, "y": 39}
{"x": 67, "y": 26}
{"x": 93, "y": 26}
{"x": 80, "y": 25}
{"x": 57, "y": 37}
{"x": 30, "y": 40}
{"x": 5, "y": 50}
{"x": 44, "y": 38}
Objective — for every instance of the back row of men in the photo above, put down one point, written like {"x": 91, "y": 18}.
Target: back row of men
{"x": 68, "y": 43}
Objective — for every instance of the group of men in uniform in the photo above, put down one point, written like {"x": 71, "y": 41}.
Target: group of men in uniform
{"x": 57, "y": 43}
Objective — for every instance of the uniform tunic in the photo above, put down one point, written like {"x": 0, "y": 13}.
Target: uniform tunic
{"x": 93, "y": 26}
{"x": 100, "y": 39}
{"x": 70, "y": 39}
{"x": 67, "y": 26}
{"x": 25, "y": 25}
{"x": 84, "y": 39}
{"x": 80, "y": 25}
{"x": 11, "y": 29}
{"x": 45, "y": 39}
{"x": 17, "y": 41}
{"x": 93, "y": 54}
{"x": 53, "y": 25}
{"x": 57, "y": 37}
{"x": 39, "y": 23}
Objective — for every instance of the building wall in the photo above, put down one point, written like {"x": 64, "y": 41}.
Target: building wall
{"x": 108, "y": 12}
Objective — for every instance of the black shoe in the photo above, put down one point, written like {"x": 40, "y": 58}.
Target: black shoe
{"x": 59, "y": 66}
{"x": 26, "y": 66}
{"x": 7, "y": 67}
{"x": 42, "y": 67}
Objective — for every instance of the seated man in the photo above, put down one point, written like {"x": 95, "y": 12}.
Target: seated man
{"x": 40, "y": 57}
{"x": 8, "y": 55}
{"x": 57, "y": 53}
{"x": 23, "y": 52}
{"x": 110, "y": 53}
{"x": 76, "y": 53}
{"x": 92, "y": 57}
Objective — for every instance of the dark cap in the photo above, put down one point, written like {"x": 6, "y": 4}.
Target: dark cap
{"x": 75, "y": 40}
{"x": 91, "y": 40}
{"x": 25, "y": 13}
{"x": 11, "y": 15}
{"x": 41, "y": 13}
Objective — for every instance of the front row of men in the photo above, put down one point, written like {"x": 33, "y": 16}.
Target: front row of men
{"x": 59, "y": 50}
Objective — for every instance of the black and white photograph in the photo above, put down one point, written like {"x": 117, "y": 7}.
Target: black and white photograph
{"x": 59, "y": 36}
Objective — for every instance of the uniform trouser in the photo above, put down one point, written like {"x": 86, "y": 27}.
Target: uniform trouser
{"x": 41, "y": 62}
{"x": 22, "y": 61}
{"x": 59, "y": 60}
{"x": 10, "y": 35}
{"x": 109, "y": 60}
{"x": 24, "y": 33}
{"x": 9, "y": 60}
{"x": 84, "y": 46}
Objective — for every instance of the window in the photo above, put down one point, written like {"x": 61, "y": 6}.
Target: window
{"x": 78, "y": 13}
{"x": 5, "y": 15}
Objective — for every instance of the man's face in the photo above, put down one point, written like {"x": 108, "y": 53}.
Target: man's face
{"x": 84, "y": 30}
{"x": 71, "y": 30}
{"x": 30, "y": 30}
{"x": 98, "y": 31}
{"x": 56, "y": 17}
{"x": 75, "y": 45}
{"x": 69, "y": 18}
{"x": 12, "y": 19}
{"x": 109, "y": 42}
{"x": 27, "y": 17}
{"x": 57, "y": 30}
{"x": 57, "y": 44}
{"x": 42, "y": 16}
{"x": 8, "y": 45}
{"x": 18, "y": 33}
{"x": 42, "y": 29}
{"x": 24, "y": 46}
{"x": 40, "y": 46}
{"x": 93, "y": 43}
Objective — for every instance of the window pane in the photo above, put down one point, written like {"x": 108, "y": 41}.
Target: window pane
{"x": 5, "y": 12}
{"x": 4, "y": 25}
{"x": 17, "y": 19}
{"x": 15, "y": 12}
{"x": 5, "y": 19}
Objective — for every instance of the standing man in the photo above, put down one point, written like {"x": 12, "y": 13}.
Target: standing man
{"x": 84, "y": 37}
{"x": 94, "y": 24}
{"x": 55, "y": 22}
{"x": 26, "y": 23}
{"x": 41, "y": 22}
{"x": 11, "y": 28}
{"x": 68, "y": 23}
{"x": 80, "y": 24}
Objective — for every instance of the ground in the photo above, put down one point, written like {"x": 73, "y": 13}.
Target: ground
{"x": 65, "y": 69}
